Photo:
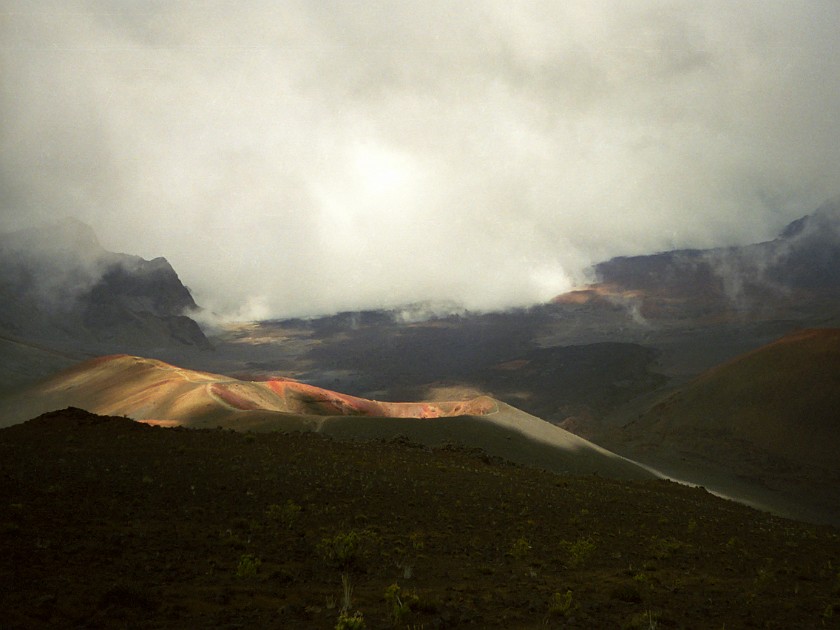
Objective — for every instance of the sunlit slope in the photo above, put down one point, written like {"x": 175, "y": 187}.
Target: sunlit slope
{"x": 148, "y": 389}
{"x": 782, "y": 400}
{"x": 506, "y": 432}
{"x": 152, "y": 391}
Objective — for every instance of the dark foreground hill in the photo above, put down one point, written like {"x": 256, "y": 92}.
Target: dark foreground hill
{"x": 111, "y": 523}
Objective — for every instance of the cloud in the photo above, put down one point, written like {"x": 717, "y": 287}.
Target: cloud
{"x": 308, "y": 157}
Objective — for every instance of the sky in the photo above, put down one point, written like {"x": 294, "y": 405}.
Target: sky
{"x": 306, "y": 157}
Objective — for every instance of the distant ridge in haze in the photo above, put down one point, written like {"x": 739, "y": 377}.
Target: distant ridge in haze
{"x": 63, "y": 295}
{"x": 802, "y": 265}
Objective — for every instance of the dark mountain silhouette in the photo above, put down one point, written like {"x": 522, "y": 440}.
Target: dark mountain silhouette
{"x": 63, "y": 295}
{"x": 800, "y": 268}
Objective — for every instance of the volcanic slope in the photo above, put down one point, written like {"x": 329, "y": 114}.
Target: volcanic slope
{"x": 109, "y": 523}
{"x": 155, "y": 392}
{"x": 769, "y": 416}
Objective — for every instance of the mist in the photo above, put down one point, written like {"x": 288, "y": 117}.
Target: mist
{"x": 303, "y": 158}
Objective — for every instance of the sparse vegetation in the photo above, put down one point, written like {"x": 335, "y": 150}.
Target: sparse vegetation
{"x": 663, "y": 548}
{"x": 646, "y": 620}
{"x": 346, "y": 592}
{"x": 346, "y": 621}
{"x": 399, "y": 603}
{"x": 346, "y": 550}
{"x": 199, "y": 547}
{"x": 561, "y": 604}
{"x": 286, "y": 514}
{"x": 248, "y": 566}
{"x": 520, "y": 548}
{"x": 579, "y": 551}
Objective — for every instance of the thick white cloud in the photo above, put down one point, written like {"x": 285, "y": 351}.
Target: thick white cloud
{"x": 305, "y": 157}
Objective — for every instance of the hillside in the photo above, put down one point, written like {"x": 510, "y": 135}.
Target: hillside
{"x": 62, "y": 293}
{"x": 769, "y": 416}
{"x": 109, "y": 523}
{"x": 156, "y": 392}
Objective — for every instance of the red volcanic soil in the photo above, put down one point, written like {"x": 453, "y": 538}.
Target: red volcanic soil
{"x": 599, "y": 293}
{"x": 233, "y": 399}
{"x": 108, "y": 523}
{"x": 148, "y": 389}
{"x": 321, "y": 401}
{"x": 315, "y": 400}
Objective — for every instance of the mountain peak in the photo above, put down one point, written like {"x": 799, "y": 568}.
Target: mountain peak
{"x": 61, "y": 237}
{"x": 827, "y": 215}
{"x": 61, "y": 288}
{"x": 75, "y": 231}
